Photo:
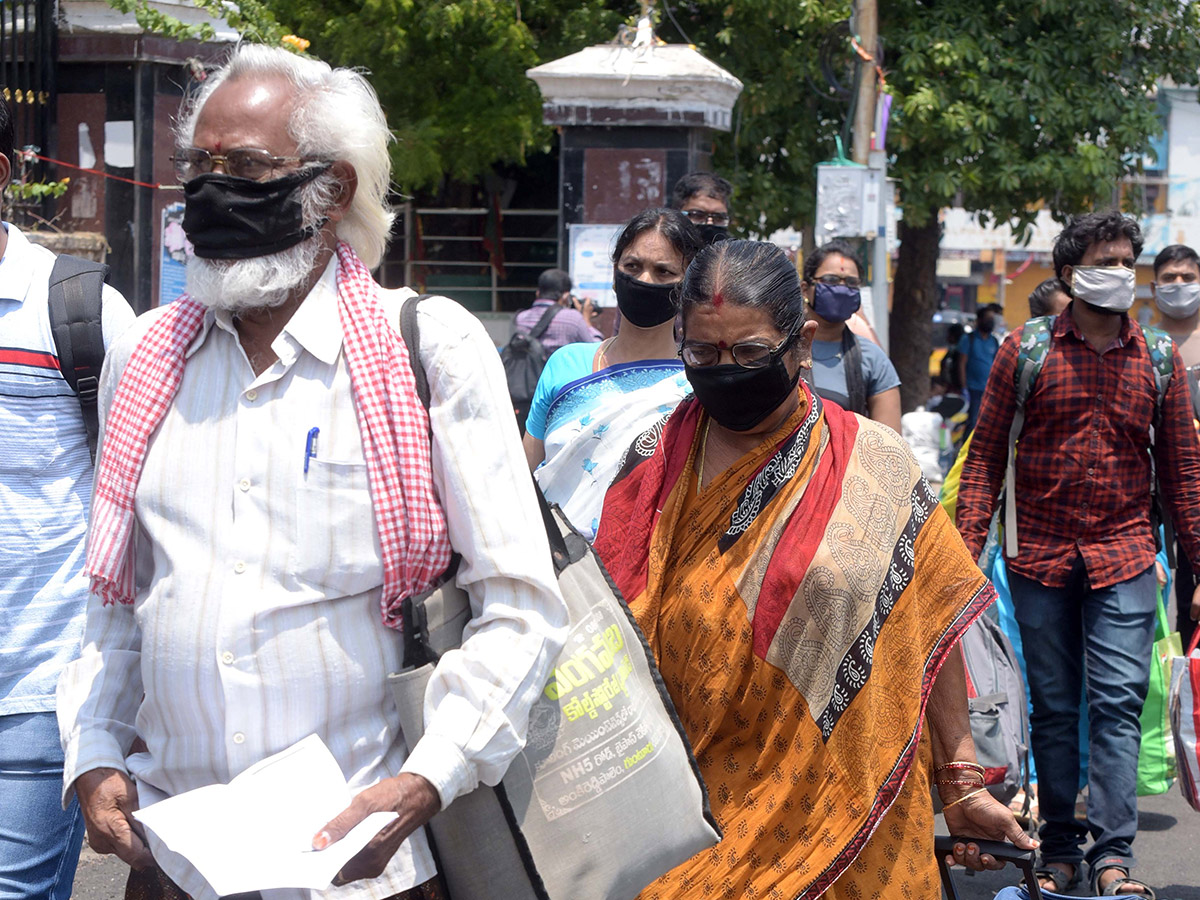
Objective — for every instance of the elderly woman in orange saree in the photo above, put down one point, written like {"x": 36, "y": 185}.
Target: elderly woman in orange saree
{"x": 803, "y": 593}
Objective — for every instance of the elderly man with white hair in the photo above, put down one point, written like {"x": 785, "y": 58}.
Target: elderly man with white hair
{"x": 271, "y": 487}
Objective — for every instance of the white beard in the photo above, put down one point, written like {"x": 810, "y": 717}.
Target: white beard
{"x": 261, "y": 282}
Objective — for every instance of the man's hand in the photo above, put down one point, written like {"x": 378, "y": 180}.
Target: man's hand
{"x": 108, "y": 798}
{"x": 585, "y": 308}
{"x": 414, "y": 798}
{"x": 985, "y": 817}
{"x": 1196, "y": 604}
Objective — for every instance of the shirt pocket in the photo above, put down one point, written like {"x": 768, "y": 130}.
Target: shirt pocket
{"x": 337, "y": 543}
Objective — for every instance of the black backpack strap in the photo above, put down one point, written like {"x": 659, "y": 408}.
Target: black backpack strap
{"x": 852, "y": 366}
{"x": 544, "y": 322}
{"x": 412, "y": 340}
{"x": 75, "y": 296}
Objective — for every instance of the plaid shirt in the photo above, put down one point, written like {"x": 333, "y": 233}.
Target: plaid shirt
{"x": 567, "y": 326}
{"x": 1083, "y": 470}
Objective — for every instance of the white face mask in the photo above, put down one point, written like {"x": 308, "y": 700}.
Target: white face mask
{"x": 1177, "y": 300}
{"x": 1106, "y": 287}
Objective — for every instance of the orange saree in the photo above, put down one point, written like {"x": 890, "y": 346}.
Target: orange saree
{"x": 799, "y": 608}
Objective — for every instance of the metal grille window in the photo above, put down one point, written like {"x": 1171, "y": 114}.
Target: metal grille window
{"x": 487, "y": 260}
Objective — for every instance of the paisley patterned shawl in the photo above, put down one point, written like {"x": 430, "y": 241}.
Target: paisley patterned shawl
{"x": 799, "y": 607}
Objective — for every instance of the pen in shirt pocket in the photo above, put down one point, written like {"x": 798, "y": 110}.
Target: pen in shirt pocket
{"x": 310, "y": 446}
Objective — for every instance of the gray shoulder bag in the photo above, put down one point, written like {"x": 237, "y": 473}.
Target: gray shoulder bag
{"x": 606, "y": 795}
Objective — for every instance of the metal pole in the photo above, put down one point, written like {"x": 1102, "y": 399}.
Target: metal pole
{"x": 866, "y": 24}
{"x": 879, "y": 252}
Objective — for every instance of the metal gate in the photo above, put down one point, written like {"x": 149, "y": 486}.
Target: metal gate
{"x": 27, "y": 51}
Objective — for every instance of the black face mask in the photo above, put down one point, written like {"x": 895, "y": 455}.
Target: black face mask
{"x": 711, "y": 234}
{"x": 739, "y": 398}
{"x": 644, "y": 304}
{"x": 226, "y": 217}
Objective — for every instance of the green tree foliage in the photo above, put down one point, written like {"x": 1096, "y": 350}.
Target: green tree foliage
{"x": 1003, "y": 106}
{"x": 450, "y": 75}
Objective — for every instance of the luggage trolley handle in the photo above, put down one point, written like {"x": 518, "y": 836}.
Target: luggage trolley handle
{"x": 943, "y": 846}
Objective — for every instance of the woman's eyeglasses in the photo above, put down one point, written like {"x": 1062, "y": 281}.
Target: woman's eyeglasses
{"x": 748, "y": 354}
{"x": 244, "y": 162}
{"x": 834, "y": 280}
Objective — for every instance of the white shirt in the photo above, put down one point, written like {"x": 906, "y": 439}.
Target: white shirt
{"x": 45, "y": 483}
{"x": 257, "y": 616}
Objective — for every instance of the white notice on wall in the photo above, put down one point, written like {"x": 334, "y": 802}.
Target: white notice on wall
{"x": 591, "y": 262}
{"x": 87, "y": 156}
{"x": 118, "y": 144}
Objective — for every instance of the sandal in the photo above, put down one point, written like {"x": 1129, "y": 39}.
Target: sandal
{"x": 1062, "y": 881}
{"x": 1113, "y": 888}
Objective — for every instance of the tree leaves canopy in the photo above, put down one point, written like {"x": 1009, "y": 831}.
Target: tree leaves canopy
{"x": 1004, "y": 105}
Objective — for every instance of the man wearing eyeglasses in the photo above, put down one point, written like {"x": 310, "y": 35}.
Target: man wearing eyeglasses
{"x": 704, "y": 198}
{"x": 271, "y": 488}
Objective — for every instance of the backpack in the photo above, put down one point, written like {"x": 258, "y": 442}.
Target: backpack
{"x": 524, "y": 357}
{"x": 997, "y": 708}
{"x": 1034, "y": 348}
{"x": 75, "y": 299}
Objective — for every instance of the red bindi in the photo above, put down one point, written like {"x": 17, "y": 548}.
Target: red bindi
{"x": 218, "y": 146}
{"x": 718, "y": 299}
{"x": 721, "y": 345}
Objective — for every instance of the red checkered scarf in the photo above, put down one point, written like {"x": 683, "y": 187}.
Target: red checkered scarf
{"x": 393, "y": 422}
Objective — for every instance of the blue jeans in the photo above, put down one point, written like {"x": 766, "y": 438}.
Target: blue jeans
{"x": 1104, "y": 636}
{"x": 39, "y": 842}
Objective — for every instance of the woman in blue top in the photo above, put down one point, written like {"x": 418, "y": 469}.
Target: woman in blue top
{"x": 852, "y": 372}
{"x": 592, "y": 402}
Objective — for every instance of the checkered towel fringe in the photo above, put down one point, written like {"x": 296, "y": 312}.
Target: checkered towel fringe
{"x": 391, "y": 418}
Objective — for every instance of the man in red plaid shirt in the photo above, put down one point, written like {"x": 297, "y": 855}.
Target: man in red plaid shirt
{"x": 1083, "y": 579}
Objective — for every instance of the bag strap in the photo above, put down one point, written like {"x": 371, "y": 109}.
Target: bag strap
{"x": 852, "y": 367}
{"x": 544, "y": 322}
{"x": 412, "y": 339}
{"x": 1035, "y": 346}
{"x": 1162, "y": 363}
{"x": 75, "y": 298}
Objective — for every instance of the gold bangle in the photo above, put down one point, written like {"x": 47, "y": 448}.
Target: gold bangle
{"x": 946, "y": 806}
{"x": 958, "y": 764}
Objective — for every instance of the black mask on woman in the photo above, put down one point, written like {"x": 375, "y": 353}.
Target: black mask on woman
{"x": 642, "y": 303}
{"x": 226, "y": 217}
{"x": 739, "y": 398}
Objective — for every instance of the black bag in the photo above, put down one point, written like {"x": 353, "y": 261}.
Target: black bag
{"x": 75, "y": 300}
{"x": 524, "y": 357}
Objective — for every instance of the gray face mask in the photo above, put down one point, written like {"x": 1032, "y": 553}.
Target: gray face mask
{"x": 1104, "y": 287}
{"x": 1177, "y": 300}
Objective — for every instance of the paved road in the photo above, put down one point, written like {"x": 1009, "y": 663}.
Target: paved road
{"x": 1168, "y": 849}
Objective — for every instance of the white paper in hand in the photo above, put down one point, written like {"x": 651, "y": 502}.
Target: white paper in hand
{"x": 255, "y": 833}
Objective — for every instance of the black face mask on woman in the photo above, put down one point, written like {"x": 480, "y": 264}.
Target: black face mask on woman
{"x": 739, "y": 398}
{"x": 644, "y": 304}
{"x": 226, "y": 217}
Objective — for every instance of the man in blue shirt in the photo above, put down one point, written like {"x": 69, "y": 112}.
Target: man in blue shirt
{"x": 45, "y": 493}
{"x": 976, "y": 351}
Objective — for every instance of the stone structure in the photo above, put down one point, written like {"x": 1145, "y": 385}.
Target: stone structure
{"x": 633, "y": 117}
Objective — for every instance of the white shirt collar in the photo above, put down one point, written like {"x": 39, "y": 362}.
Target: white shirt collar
{"x": 315, "y": 326}
{"x": 15, "y": 271}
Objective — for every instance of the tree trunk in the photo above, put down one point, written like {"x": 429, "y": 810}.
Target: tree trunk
{"x": 914, "y": 300}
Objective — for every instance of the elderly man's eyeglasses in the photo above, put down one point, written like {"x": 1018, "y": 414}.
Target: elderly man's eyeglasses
{"x": 834, "y": 280}
{"x": 244, "y": 162}
{"x": 704, "y": 217}
{"x": 748, "y": 354}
